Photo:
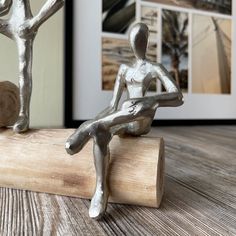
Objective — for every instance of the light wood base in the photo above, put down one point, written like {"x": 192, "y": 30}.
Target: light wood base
{"x": 37, "y": 161}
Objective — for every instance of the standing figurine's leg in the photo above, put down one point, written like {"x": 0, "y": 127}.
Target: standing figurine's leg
{"x": 101, "y": 161}
{"x": 25, "y": 50}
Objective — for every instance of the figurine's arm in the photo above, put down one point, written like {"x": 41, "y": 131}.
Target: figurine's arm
{"x": 5, "y": 6}
{"x": 4, "y": 28}
{"x": 173, "y": 95}
{"x": 119, "y": 87}
{"x": 118, "y": 90}
{"x": 48, "y": 9}
{"x": 30, "y": 26}
{"x": 171, "y": 98}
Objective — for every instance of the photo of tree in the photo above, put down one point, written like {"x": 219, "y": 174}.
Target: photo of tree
{"x": 175, "y": 46}
{"x": 116, "y": 52}
{"x": 118, "y": 15}
{"x": 208, "y": 71}
{"x": 211, "y": 62}
{"x": 217, "y": 6}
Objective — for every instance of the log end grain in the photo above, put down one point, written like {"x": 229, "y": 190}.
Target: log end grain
{"x": 9, "y": 103}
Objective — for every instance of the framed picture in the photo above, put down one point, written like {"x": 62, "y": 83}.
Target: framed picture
{"x": 193, "y": 39}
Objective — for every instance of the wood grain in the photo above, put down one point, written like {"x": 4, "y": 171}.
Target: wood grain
{"x": 199, "y": 199}
{"x": 9, "y": 103}
{"x": 37, "y": 161}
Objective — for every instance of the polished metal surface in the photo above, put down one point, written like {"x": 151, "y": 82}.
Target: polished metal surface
{"x": 22, "y": 27}
{"x": 133, "y": 118}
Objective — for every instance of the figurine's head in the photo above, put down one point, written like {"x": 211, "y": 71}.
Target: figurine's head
{"x": 138, "y": 38}
{"x": 5, "y": 6}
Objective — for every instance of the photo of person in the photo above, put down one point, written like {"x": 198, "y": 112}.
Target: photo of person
{"x": 175, "y": 46}
{"x": 211, "y": 59}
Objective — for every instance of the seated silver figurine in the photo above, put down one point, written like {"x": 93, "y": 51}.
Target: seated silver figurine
{"x": 133, "y": 118}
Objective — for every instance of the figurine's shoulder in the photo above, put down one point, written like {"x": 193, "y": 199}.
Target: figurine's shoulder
{"x": 150, "y": 65}
{"x": 123, "y": 69}
{"x": 158, "y": 68}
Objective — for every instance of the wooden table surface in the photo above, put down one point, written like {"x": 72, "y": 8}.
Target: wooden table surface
{"x": 200, "y": 195}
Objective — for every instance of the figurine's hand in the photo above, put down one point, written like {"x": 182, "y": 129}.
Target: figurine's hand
{"x": 145, "y": 105}
{"x": 138, "y": 106}
{"x": 27, "y": 30}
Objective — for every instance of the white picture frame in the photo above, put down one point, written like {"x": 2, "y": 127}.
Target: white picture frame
{"x": 89, "y": 99}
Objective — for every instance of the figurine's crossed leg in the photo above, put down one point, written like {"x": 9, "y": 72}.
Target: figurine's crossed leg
{"x": 102, "y": 130}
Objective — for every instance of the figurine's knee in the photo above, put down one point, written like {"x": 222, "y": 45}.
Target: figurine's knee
{"x": 23, "y": 68}
{"x": 102, "y": 135}
{"x": 140, "y": 127}
{"x": 25, "y": 85}
{"x": 25, "y": 75}
{"x": 77, "y": 141}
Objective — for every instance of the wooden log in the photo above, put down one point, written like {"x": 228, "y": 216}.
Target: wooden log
{"x": 37, "y": 161}
{"x": 9, "y": 103}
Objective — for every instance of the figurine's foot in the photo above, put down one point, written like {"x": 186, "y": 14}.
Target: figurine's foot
{"x": 78, "y": 139}
{"x": 22, "y": 124}
{"x": 73, "y": 145}
{"x": 76, "y": 142}
{"x": 98, "y": 204}
{"x": 69, "y": 148}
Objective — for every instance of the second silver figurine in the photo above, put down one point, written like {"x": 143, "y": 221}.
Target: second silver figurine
{"x": 22, "y": 27}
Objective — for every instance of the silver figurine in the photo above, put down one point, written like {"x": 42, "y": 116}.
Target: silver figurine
{"x": 133, "y": 118}
{"x": 22, "y": 27}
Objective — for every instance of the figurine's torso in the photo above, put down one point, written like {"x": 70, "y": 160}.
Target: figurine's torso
{"x": 138, "y": 79}
{"x": 20, "y": 13}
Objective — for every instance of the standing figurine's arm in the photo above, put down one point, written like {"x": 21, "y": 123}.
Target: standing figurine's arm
{"x": 4, "y": 28}
{"x": 5, "y": 6}
{"x": 31, "y": 26}
{"x": 118, "y": 90}
{"x": 48, "y": 9}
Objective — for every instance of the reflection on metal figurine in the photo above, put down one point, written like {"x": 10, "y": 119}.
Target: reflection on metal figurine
{"x": 133, "y": 118}
{"x": 22, "y": 27}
